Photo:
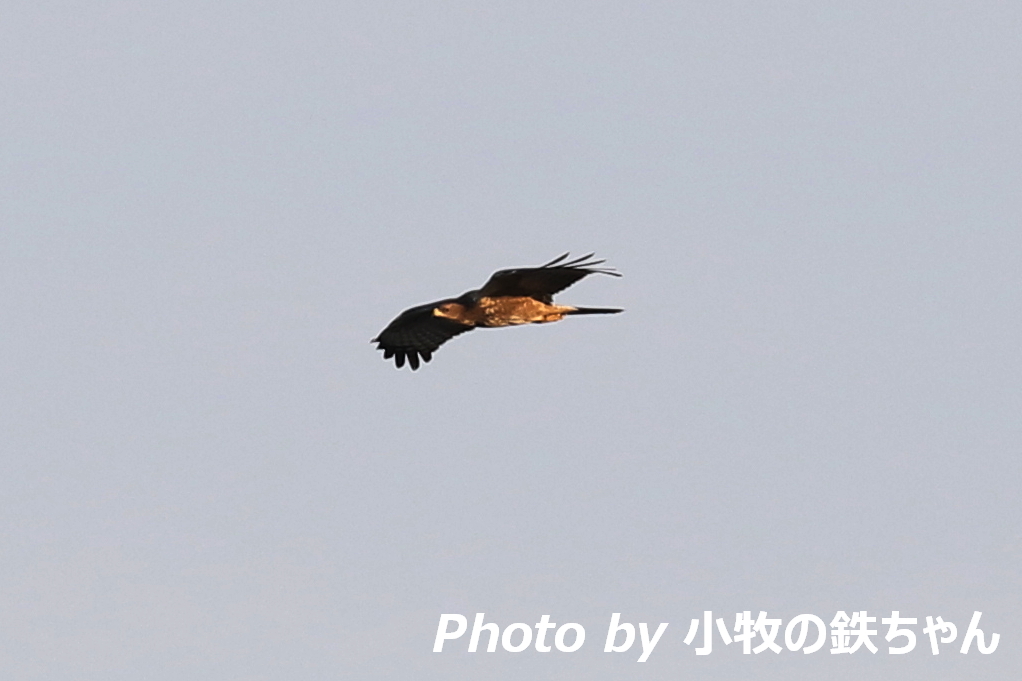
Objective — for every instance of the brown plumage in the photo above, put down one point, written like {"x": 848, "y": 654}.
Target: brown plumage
{"x": 510, "y": 297}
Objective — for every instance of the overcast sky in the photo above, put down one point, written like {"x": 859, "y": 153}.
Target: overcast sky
{"x": 811, "y": 404}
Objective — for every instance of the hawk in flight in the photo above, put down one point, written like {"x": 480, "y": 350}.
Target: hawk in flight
{"x": 519, "y": 296}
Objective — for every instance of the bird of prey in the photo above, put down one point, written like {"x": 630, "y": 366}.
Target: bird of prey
{"x": 518, "y": 296}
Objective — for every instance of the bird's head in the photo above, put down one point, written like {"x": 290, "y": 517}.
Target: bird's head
{"x": 449, "y": 310}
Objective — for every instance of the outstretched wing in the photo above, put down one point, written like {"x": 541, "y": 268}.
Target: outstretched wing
{"x": 415, "y": 333}
{"x": 544, "y": 281}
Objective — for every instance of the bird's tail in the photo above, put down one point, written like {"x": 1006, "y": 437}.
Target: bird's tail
{"x": 595, "y": 310}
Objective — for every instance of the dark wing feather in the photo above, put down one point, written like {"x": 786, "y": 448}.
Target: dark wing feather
{"x": 416, "y": 333}
{"x": 544, "y": 281}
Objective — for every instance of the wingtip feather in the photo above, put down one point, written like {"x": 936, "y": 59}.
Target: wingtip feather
{"x": 583, "y": 263}
{"x": 557, "y": 259}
